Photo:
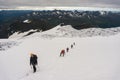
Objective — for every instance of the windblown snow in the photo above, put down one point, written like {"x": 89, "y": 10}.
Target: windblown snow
{"x": 95, "y": 55}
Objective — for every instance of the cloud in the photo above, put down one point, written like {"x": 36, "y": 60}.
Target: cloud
{"x": 43, "y": 3}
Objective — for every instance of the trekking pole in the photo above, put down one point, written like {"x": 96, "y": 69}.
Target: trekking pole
{"x": 31, "y": 66}
{"x": 38, "y": 67}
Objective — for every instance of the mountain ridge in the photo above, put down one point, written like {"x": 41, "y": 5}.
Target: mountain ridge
{"x": 67, "y": 31}
{"x": 13, "y": 21}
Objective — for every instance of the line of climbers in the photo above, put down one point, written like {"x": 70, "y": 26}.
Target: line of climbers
{"x": 33, "y": 57}
{"x": 62, "y": 53}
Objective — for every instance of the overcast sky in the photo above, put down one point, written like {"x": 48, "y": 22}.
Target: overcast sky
{"x": 45, "y": 3}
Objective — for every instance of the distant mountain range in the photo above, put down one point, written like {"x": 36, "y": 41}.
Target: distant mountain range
{"x": 12, "y": 21}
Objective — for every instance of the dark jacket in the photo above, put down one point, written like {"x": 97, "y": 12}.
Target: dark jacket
{"x": 33, "y": 60}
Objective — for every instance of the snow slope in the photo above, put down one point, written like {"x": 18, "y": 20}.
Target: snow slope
{"x": 92, "y": 58}
{"x": 5, "y": 44}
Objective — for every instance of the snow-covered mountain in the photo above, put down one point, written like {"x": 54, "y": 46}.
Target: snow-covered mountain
{"x": 68, "y": 31}
{"x": 92, "y": 58}
{"x": 73, "y": 13}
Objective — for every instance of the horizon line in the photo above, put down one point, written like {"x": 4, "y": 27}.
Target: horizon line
{"x": 63, "y": 8}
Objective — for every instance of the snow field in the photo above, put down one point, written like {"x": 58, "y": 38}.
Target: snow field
{"x": 92, "y": 58}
